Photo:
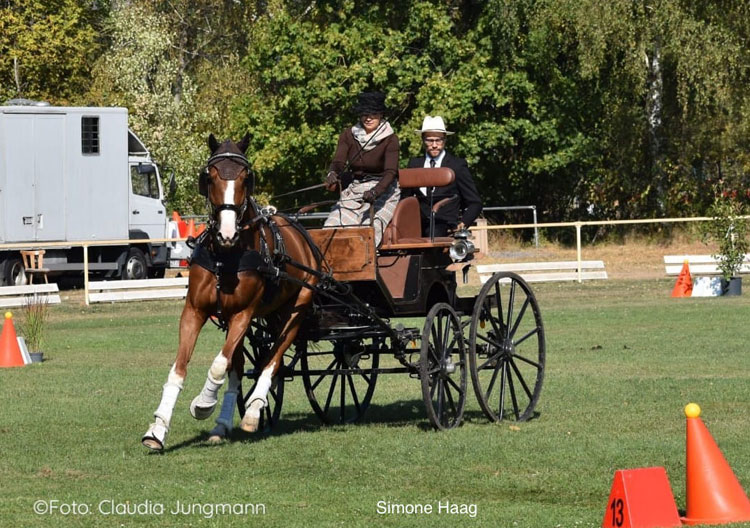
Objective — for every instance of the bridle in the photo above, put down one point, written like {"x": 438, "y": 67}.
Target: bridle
{"x": 203, "y": 180}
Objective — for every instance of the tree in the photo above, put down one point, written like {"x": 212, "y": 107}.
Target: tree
{"x": 47, "y": 48}
{"x": 169, "y": 64}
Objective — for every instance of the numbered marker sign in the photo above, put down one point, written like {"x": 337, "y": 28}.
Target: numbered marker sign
{"x": 641, "y": 498}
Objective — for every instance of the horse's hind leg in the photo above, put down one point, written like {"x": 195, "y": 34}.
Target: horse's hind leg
{"x": 259, "y": 398}
{"x": 225, "y": 421}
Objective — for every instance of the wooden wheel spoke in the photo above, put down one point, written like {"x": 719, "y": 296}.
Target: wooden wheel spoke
{"x": 527, "y": 335}
{"x": 520, "y": 378}
{"x": 454, "y": 385}
{"x": 519, "y": 318}
{"x": 513, "y": 396}
{"x": 354, "y": 392}
{"x": 322, "y": 376}
{"x": 490, "y": 359}
{"x": 500, "y": 365}
{"x": 511, "y": 298}
{"x": 449, "y": 396}
{"x": 489, "y": 341}
{"x": 501, "y": 399}
{"x": 331, "y": 390}
{"x": 527, "y": 360}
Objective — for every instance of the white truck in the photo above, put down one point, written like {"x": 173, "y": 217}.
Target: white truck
{"x": 73, "y": 174}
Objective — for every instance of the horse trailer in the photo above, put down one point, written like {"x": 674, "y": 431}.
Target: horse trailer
{"x": 78, "y": 174}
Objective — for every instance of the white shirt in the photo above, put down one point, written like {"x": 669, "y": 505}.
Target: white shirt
{"x": 438, "y": 163}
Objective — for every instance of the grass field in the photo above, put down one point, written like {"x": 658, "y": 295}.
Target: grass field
{"x": 623, "y": 359}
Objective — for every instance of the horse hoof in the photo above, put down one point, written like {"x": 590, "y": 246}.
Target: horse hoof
{"x": 251, "y": 420}
{"x": 155, "y": 437}
{"x": 218, "y": 434}
{"x": 201, "y": 413}
{"x": 152, "y": 443}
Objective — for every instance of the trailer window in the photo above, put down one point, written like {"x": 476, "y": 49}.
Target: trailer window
{"x": 144, "y": 183}
{"x": 90, "y": 135}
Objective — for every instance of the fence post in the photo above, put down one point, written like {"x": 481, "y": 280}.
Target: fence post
{"x": 481, "y": 238}
{"x": 578, "y": 251}
{"x": 85, "y": 248}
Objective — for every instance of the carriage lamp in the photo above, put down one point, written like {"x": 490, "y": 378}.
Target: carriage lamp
{"x": 462, "y": 247}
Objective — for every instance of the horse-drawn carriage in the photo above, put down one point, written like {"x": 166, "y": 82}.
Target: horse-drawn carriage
{"x": 353, "y": 317}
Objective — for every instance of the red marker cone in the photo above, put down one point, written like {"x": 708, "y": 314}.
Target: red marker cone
{"x": 10, "y": 352}
{"x": 714, "y": 495}
{"x": 190, "y": 229}
{"x": 684, "y": 285}
{"x": 641, "y": 498}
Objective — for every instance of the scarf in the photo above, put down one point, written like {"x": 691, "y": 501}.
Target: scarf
{"x": 367, "y": 141}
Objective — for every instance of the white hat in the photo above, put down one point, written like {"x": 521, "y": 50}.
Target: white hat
{"x": 433, "y": 124}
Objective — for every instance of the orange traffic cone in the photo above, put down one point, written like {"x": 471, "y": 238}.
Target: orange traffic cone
{"x": 714, "y": 495}
{"x": 176, "y": 216}
{"x": 684, "y": 285}
{"x": 190, "y": 229}
{"x": 200, "y": 229}
{"x": 10, "y": 352}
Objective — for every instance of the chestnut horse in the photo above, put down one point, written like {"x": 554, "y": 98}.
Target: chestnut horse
{"x": 248, "y": 264}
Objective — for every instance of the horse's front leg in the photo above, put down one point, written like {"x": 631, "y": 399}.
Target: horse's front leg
{"x": 191, "y": 322}
{"x": 259, "y": 398}
{"x": 204, "y": 404}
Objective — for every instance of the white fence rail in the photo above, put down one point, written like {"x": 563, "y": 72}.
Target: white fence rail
{"x": 137, "y": 290}
{"x": 11, "y": 296}
{"x": 570, "y": 270}
{"x": 575, "y": 225}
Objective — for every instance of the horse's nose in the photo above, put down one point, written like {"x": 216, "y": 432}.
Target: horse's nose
{"x": 228, "y": 242}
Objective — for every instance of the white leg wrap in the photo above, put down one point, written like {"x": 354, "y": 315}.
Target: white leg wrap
{"x": 258, "y": 401}
{"x": 156, "y": 435}
{"x": 263, "y": 386}
{"x": 204, "y": 404}
{"x": 169, "y": 394}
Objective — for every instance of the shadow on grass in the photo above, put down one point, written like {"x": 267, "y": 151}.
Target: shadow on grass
{"x": 408, "y": 413}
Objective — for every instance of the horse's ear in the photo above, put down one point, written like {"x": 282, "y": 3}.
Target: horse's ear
{"x": 213, "y": 144}
{"x": 244, "y": 142}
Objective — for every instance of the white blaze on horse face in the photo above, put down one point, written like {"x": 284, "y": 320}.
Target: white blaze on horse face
{"x": 228, "y": 218}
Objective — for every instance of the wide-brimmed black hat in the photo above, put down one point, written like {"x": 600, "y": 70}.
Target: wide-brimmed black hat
{"x": 370, "y": 103}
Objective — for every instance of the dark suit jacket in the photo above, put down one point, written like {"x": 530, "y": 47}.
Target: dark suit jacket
{"x": 466, "y": 209}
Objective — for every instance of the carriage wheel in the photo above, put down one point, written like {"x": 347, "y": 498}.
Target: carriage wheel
{"x": 442, "y": 367}
{"x": 260, "y": 340}
{"x": 507, "y": 348}
{"x": 340, "y": 384}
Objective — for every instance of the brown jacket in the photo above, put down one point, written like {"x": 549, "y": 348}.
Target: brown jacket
{"x": 379, "y": 163}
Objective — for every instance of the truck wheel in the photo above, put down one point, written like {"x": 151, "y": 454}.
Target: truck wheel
{"x": 13, "y": 272}
{"x": 135, "y": 266}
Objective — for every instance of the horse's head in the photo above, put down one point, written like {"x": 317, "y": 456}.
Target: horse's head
{"x": 227, "y": 182}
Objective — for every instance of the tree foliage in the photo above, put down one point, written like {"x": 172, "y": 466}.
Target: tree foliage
{"x": 586, "y": 109}
{"x": 47, "y": 48}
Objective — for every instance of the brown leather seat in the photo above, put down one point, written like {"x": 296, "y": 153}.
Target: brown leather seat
{"x": 406, "y": 224}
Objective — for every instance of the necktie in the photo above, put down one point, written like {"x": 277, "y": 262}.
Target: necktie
{"x": 432, "y": 163}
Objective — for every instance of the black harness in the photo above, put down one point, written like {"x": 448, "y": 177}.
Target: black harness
{"x": 269, "y": 263}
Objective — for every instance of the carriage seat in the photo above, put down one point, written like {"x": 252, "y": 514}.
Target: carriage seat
{"x": 405, "y": 227}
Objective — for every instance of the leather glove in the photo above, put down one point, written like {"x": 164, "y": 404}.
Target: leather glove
{"x": 370, "y": 196}
{"x": 332, "y": 181}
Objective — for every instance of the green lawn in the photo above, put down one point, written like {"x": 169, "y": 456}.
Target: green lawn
{"x": 623, "y": 359}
